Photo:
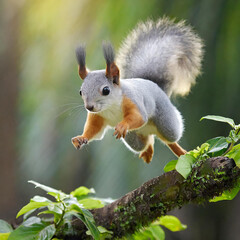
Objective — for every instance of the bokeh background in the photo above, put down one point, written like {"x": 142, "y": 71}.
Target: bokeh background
{"x": 41, "y": 109}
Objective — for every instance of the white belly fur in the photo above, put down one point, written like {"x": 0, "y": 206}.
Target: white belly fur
{"x": 148, "y": 129}
{"x": 112, "y": 116}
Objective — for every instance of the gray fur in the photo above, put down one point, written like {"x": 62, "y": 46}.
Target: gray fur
{"x": 155, "y": 107}
{"x": 164, "y": 52}
{"x": 135, "y": 141}
{"x": 108, "y": 52}
{"x": 92, "y": 87}
{"x": 156, "y": 60}
{"x": 81, "y": 55}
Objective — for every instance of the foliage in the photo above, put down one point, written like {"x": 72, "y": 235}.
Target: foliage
{"x": 58, "y": 210}
{"x": 218, "y": 146}
{"x": 57, "y": 215}
{"x": 5, "y": 230}
{"x": 155, "y": 232}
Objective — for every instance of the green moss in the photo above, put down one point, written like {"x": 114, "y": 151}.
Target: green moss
{"x": 196, "y": 188}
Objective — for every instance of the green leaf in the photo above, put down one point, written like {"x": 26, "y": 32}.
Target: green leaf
{"x": 104, "y": 233}
{"x": 52, "y": 191}
{"x": 105, "y": 201}
{"x": 227, "y": 195}
{"x": 203, "y": 148}
{"x": 5, "y": 227}
{"x": 57, "y": 216}
{"x": 40, "y": 199}
{"x": 27, "y": 215}
{"x": 184, "y": 164}
{"x": 170, "y": 166}
{"x": 33, "y": 229}
{"x": 93, "y": 229}
{"x": 82, "y": 191}
{"x": 89, "y": 223}
{"x": 199, "y": 151}
{"x": 30, "y": 221}
{"x": 32, "y": 205}
{"x": 4, "y": 236}
{"x": 153, "y": 232}
{"x": 235, "y": 154}
{"x": 234, "y": 135}
{"x": 46, "y": 233}
{"x": 48, "y": 212}
{"x": 90, "y": 203}
{"x": 217, "y": 144}
{"x": 43, "y": 187}
{"x": 59, "y": 196}
{"x": 172, "y": 223}
{"x": 73, "y": 204}
{"x": 157, "y": 232}
{"x": 104, "y": 230}
{"x": 75, "y": 208}
{"x": 143, "y": 235}
{"x": 220, "y": 119}
{"x": 71, "y": 200}
{"x": 87, "y": 214}
{"x": 56, "y": 207}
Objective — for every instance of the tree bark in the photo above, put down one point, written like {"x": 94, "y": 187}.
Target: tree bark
{"x": 162, "y": 194}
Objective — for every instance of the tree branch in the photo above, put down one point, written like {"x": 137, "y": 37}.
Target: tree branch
{"x": 162, "y": 194}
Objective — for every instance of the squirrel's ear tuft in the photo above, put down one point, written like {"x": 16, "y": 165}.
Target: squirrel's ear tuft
{"x": 81, "y": 58}
{"x": 108, "y": 52}
{"x": 112, "y": 71}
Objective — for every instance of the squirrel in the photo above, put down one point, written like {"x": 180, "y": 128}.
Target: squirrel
{"x": 156, "y": 60}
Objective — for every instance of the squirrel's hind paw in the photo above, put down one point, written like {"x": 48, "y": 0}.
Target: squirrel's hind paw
{"x": 79, "y": 141}
{"x": 147, "y": 154}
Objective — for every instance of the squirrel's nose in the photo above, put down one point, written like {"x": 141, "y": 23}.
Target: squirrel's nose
{"x": 90, "y": 108}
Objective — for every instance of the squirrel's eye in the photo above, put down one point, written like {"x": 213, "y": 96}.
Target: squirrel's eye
{"x": 80, "y": 92}
{"x": 105, "y": 91}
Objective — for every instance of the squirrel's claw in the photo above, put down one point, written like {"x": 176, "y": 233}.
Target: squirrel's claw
{"x": 79, "y": 141}
{"x": 121, "y": 130}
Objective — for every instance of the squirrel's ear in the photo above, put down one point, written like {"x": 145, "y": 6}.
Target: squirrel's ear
{"x": 81, "y": 57}
{"x": 112, "y": 71}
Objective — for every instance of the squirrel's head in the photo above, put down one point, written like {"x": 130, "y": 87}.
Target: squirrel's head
{"x": 100, "y": 89}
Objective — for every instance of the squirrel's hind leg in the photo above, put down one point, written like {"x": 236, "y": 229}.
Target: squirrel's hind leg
{"x": 147, "y": 153}
{"x": 174, "y": 146}
{"x": 176, "y": 149}
{"x": 140, "y": 143}
{"x": 169, "y": 130}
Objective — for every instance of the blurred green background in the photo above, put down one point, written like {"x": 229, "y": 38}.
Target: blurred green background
{"x": 41, "y": 109}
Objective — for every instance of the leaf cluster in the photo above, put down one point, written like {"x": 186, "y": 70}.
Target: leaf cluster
{"x": 218, "y": 146}
{"x": 57, "y": 218}
{"x": 155, "y": 232}
{"x": 56, "y": 215}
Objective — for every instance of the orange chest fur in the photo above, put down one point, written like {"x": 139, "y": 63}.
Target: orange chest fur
{"x": 123, "y": 110}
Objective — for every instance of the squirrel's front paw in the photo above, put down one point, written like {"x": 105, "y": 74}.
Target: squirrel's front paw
{"x": 79, "y": 141}
{"x": 121, "y": 130}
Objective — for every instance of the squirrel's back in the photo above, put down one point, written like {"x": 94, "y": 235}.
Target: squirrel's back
{"x": 164, "y": 52}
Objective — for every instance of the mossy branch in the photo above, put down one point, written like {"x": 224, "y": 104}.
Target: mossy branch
{"x": 162, "y": 194}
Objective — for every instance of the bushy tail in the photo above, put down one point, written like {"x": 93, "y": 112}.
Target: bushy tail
{"x": 164, "y": 52}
